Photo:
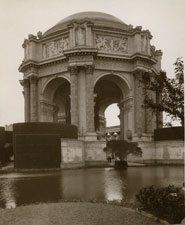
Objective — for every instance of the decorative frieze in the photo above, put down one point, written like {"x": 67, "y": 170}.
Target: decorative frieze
{"x": 55, "y": 48}
{"x": 110, "y": 44}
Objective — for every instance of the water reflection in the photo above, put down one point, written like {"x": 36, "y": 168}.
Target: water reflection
{"x": 8, "y": 195}
{"x": 114, "y": 185}
{"x": 84, "y": 184}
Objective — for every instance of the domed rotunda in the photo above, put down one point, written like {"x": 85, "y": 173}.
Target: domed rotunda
{"x": 83, "y": 64}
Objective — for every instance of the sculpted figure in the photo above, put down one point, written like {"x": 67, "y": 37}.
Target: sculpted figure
{"x": 101, "y": 42}
{"x": 80, "y": 36}
{"x": 123, "y": 45}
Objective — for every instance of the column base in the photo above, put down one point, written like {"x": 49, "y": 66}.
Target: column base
{"x": 90, "y": 136}
{"x": 146, "y": 137}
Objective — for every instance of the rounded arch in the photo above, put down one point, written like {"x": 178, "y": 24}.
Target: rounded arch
{"x": 51, "y": 85}
{"x": 118, "y": 79}
{"x": 55, "y": 102}
{"x": 107, "y": 103}
{"x": 108, "y": 89}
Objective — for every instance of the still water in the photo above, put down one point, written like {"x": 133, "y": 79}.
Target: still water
{"x": 84, "y": 184}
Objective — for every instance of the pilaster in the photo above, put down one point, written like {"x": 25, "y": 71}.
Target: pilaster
{"x": 121, "y": 117}
{"x": 89, "y": 99}
{"x": 33, "y": 98}
{"x": 26, "y": 85}
{"x": 140, "y": 112}
{"x": 74, "y": 95}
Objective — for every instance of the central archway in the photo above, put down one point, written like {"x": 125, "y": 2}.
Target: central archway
{"x": 109, "y": 89}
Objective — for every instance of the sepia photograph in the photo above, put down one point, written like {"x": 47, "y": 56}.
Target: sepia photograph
{"x": 92, "y": 112}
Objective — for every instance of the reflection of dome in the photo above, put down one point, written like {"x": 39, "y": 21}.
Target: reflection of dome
{"x": 98, "y": 18}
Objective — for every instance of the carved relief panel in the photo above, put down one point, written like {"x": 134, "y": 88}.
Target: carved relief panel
{"x": 110, "y": 44}
{"x": 55, "y": 48}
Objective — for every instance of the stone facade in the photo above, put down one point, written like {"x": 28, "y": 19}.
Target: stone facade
{"x": 86, "y": 62}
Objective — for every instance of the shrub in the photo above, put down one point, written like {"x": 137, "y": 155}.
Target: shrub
{"x": 37, "y": 151}
{"x": 166, "y": 203}
{"x": 122, "y": 148}
{"x": 64, "y": 130}
{"x": 170, "y": 133}
{"x": 9, "y": 136}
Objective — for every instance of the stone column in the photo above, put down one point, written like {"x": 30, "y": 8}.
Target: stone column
{"x": 33, "y": 99}
{"x": 121, "y": 117}
{"x": 140, "y": 120}
{"x": 26, "y": 85}
{"x": 89, "y": 100}
{"x": 74, "y": 95}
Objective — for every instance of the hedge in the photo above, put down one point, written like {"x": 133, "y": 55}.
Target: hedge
{"x": 9, "y": 136}
{"x": 171, "y": 133}
{"x": 37, "y": 151}
{"x": 64, "y": 130}
{"x": 2, "y": 136}
{"x": 2, "y": 143}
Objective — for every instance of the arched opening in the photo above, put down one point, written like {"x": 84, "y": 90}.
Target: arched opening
{"x": 107, "y": 92}
{"x": 112, "y": 117}
{"x": 61, "y": 100}
{"x": 56, "y": 101}
{"x": 112, "y": 89}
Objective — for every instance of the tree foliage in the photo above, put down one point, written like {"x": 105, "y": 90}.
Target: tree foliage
{"x": 122, "y": 148}
{"x": 169, "y": 92}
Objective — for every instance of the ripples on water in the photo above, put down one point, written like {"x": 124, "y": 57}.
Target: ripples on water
{"x": 84, "y": 184}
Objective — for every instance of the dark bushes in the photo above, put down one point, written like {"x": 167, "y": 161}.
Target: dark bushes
{"x": 37, "y": 151}
{"x": 6, "y": 147}
{"x": 63, "y": 130}
{"x": 166, "y": 203}
{"x": 170, "y": 133}
{"x": 37, "y": 145}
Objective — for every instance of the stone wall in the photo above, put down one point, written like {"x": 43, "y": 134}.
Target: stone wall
{"x": 79, "y": 153}
{"x": 160, "y": 152}
{"x": 72, "y": 153}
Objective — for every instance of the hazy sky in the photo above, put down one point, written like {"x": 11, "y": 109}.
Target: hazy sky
{"x": 18, "y": 18}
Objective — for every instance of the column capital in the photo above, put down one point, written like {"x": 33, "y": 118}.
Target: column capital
{"x": 89, "y": 69}
{"x": 73, "y": 70}
{"x": 24, "y": 82}
{"x": 33, "y": 79}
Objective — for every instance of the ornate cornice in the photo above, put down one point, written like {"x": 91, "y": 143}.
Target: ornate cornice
{"x": 143, "y": 57}
{"x": 81, "y": 51}
{"x": 28, "y": 64}
{"x": 33, "y": 64}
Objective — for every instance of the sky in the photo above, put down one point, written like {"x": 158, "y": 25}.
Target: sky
{"x": 164, "y": 18}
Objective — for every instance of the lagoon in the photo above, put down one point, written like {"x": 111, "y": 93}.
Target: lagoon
{"x": 100, "y": 184}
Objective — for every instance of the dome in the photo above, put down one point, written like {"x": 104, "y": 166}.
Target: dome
{"x": 98, "y": 18}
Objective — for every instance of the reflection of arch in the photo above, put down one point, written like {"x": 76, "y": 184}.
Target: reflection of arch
{"x": 56, "y": 100}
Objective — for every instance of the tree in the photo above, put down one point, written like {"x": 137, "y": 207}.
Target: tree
{"x": 169, "y": 92}
{"x": 122, "y": 148}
